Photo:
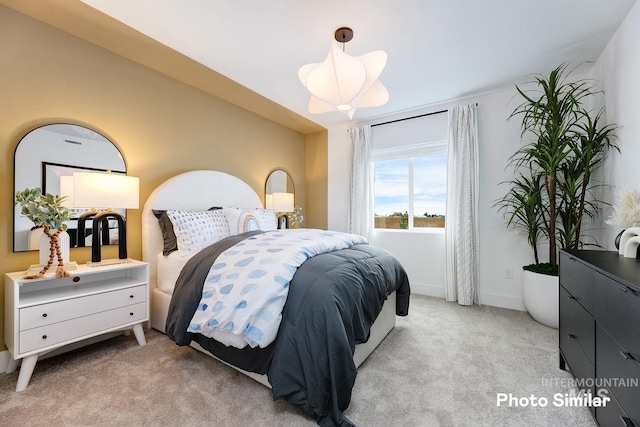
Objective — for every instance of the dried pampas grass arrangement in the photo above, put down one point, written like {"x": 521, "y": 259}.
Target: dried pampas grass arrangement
{"x": 626, "y": 212}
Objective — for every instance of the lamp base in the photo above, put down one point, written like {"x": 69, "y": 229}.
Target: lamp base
{"x": 111, "y": 261}
{"x": 283, "y": 222}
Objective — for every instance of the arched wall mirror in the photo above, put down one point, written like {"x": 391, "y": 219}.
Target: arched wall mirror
{"x": 49, "y": 152}
{"x": 278, "y": 181}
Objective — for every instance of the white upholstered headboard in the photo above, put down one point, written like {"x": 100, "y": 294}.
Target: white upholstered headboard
{"x": 195, "y": 190}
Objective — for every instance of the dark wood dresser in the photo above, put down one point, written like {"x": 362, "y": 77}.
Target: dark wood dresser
{"x": 600, "y": 330}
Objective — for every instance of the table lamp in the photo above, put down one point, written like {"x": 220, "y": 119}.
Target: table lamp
{"x": 104, "y": 191}
{"x": 283, "y": 204}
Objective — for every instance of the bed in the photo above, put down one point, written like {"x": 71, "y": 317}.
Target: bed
{"x": 270, "y": 365}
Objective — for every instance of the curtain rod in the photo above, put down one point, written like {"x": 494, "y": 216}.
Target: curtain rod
{"x": 412, "y": 117}
{"x": 409, "y": 118}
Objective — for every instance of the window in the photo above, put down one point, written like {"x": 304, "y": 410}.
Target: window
{"x": 410, "y": 174}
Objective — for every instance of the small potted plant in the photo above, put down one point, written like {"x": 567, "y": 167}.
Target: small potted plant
{"x": 48, "y": 212}
{"x": 296, "y": 219}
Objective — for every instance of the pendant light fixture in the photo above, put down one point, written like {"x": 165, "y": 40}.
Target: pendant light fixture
{"x": 343, "y": 82}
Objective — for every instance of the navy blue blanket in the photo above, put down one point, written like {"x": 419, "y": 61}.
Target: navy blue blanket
{"x": 333, "y": 300}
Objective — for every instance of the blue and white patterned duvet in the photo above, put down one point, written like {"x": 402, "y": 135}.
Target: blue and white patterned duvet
{"x": 247, "y": 286}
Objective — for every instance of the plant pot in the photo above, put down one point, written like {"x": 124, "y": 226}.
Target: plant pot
{"x": 45, "y": 245}
{"x": 541, "y": 297}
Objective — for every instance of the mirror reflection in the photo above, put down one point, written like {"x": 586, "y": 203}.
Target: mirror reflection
{"x": 279, "y": 195}
{"x": 50, "y": 152}
{"x": 278, "y": 181}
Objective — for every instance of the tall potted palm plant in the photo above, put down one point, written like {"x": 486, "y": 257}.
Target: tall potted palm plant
{"x": 564, "y": 143}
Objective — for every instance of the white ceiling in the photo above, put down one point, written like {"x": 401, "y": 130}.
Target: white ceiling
{"x": 438, "y": 50}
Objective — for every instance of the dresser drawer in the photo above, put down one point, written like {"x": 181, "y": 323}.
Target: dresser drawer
{"x": 577, "y": 278}
{"x": 576, "y": 326}
{"x": 612, "y": 415}
{"x": 616, "y": 363}
{"x": 578, "y": 362}
{"x": 81, "y": 327}
{"x": 618, "y": 312}
{"x": 46, "y": 314}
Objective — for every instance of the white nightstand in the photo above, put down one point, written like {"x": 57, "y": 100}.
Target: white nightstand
{"x": 45, "y": 314}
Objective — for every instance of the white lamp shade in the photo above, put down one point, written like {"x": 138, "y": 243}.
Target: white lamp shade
{"x": 105, "y": 190}
{"x": 345, "y": 83}
{"x": 282, "y": 202}
{"x": 268, "y": 202}
{"x": 66, "y": 191}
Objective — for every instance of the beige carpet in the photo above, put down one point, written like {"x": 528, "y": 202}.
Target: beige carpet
{"x": 443, "y": 365}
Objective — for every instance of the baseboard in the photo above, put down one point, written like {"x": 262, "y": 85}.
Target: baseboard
{"x": 4, "y": 360}
{"x": 494, "y": 300}
{"x": 428, "y": 290}
{"x": 502, "y": 301}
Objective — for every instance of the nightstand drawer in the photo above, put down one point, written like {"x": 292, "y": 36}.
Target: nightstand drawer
{"x": 47, "y": 314}
{"x": 81, "y": 327}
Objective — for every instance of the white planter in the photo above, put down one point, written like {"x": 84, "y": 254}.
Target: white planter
{"x": 541, "y": 297}
{"x": 65, "y": 243}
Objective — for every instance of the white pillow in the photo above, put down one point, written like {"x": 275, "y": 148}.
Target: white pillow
{"x": 195, "y": 230}
{"x": 268, "y": 219}
{"x": 243, "y": 220}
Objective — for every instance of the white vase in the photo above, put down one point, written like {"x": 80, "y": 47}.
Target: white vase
{"x": 541, "y": 297}
{"x": 65, "y": 244}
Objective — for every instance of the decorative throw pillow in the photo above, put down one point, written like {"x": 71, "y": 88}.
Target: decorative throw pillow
{"x": 197, "y": 230}
{"x": 243, "y": 220}
{"x": 169, "y": 240}
{"x": 170, "y": 243}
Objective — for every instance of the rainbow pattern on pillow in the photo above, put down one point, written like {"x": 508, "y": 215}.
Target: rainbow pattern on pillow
{"x": 243, "y": 220}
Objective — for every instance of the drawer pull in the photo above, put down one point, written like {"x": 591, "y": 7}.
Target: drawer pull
{"x": 44, "y": 337}
{"x": 131, "y": 296}
{"x": 44, "y": 314}
{"x": 573, "y": 337}
{"x": 625, "y": 290}
{"x": 628, "y": 356}
{"x": 572, "y": 297}
{"x": 626, "y": 421}
{"x": 131, "y": 314}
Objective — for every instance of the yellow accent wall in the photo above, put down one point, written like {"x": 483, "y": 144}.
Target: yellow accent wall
{"x": 316, "y": 180}
{"x": 163, "y": 124}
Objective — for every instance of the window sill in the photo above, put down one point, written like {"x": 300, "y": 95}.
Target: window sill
{"x": 412, "y": 231}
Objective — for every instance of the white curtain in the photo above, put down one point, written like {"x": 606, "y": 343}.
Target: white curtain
{"x": 360, "y": 190}
{"x": 461, "y": 230}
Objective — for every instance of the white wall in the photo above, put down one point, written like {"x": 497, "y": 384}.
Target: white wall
{"x": 502, "y": 251}
{"x": 338, "y": 173}
{"x": 422, "y": 254}
{"x": 618, "y": 68}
